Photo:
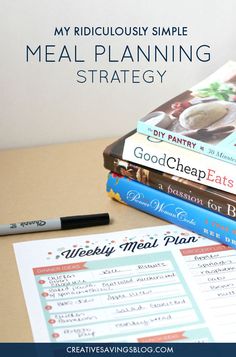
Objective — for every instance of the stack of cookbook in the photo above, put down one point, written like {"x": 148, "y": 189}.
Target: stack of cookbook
{"x": 180, "y": 163}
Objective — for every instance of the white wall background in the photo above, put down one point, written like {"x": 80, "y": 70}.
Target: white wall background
{"x": 43, "y": 104}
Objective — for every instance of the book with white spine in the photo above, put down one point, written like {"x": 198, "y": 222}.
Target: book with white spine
{"x": 162, "y": 156}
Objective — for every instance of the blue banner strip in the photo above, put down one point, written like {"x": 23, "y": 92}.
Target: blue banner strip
{"x": 117, "y": 349}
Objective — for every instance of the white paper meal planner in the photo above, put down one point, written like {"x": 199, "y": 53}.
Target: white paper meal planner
{"x": 157, "y": 284}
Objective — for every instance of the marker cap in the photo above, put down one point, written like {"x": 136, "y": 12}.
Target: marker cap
{"x": 89, "y": 220}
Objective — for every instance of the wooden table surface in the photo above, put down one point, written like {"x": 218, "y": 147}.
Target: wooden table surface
{"x": 46, "y": 182}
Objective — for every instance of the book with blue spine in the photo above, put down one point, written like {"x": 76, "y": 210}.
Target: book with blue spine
{"x": 184, "y": 214}
{"x": 202, "y": 119}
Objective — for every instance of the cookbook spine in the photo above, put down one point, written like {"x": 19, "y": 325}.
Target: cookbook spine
{"x": 177, "y": 161}
{"x": 172, "y": 209}
{"x": 168, "y": 136}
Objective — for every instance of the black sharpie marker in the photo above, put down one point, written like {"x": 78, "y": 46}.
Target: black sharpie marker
{"x": 55, "y": 224}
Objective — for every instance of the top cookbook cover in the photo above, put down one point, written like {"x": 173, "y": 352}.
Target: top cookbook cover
{"x": 201, "y": 119}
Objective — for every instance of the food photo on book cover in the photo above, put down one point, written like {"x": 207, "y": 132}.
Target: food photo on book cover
{"x": 205, "y": 113}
